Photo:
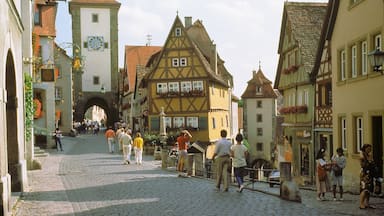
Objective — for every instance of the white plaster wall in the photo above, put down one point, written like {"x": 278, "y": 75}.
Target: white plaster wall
{"x": 267, "y": 111}
{"x": 97, "y": 63}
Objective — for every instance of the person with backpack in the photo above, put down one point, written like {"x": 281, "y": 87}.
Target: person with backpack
{"x": 338, "y": 164}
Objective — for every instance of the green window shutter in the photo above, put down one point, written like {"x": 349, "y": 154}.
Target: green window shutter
{"x": 155, "y": 124}
{"x": 203, "y": 123}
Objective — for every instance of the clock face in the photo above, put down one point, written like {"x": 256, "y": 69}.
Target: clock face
{"x": 95, "y": 42}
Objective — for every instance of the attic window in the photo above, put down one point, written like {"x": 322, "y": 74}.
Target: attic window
{"x": 259, "y": 90}
{"x": 178, "y": 32}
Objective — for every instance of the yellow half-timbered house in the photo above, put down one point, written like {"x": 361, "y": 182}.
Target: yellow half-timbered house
{"x": 189, "y": 81}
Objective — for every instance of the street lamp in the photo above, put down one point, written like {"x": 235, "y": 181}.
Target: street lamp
{"x": 77, "y": 59}
{"x": 377, "y": 59}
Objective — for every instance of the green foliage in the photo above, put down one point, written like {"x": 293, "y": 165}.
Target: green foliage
{"x": 29, "y": 107}
{"x": 241, "y": 103}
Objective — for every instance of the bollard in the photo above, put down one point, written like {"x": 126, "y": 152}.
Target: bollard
{"x": 164, "y": 158}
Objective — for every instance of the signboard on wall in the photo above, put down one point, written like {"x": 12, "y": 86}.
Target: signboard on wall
{"x": 47, "y": 75}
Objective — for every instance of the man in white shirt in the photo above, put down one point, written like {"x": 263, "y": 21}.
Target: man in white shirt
{"x": 126, "y": 143}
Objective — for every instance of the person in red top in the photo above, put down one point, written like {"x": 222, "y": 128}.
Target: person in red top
{"x": 110, "y": 135}
{"x": 182, "y": 142}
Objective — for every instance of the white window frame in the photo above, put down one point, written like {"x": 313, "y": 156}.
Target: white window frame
{"x": 342, "y": 65}
{"x": 175, "y": 62}
{"x": 300, "y": 98}
{"x": 178, "y": 122}
{"x": 193, "y": 121}
{"x": 354, "y": 61}
{"x": 161, "y": 87}
{"x": 364, "y": 58}
{"x": 259, "y": 90}
{"x": 343, "y": 128}
{"x": 306, "y": 97}
{"x": 183, "y": 62}
{"x": 359, "y": 132}
{"x": 213, "y": 88}
{"x": 58, "y": 93}
{"x": 177, "y": 32}
{"x": 173, "y": 87}
{"x": 186, "y": 86}
{"x": 168, "y": 122}
{"x": 198, "y": 85}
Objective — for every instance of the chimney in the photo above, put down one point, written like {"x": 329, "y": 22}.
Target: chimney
{"x": 188, "y": 21}
{"x": 213, "y": 60}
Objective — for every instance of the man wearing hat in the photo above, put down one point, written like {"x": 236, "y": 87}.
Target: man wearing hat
{"x": 183, "y": 141}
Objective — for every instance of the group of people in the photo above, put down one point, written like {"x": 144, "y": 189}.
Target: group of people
{"x": 126, "y": 143}
{"x": 336, "y": 165}
{"x": 225, "y": 156}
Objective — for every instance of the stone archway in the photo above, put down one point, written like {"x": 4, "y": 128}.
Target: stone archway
{"x": 100, "y": 102}
{"x": 12, "y": 144}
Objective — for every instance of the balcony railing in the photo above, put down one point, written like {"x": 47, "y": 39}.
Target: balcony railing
{"x": 323, "y": 116}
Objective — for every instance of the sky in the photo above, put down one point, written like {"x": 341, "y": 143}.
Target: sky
{"x": 246, "y": 32}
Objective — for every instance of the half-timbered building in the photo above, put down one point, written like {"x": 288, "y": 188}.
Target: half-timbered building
{"x": 190, "y": 82}
{"x": 299, "y": 38}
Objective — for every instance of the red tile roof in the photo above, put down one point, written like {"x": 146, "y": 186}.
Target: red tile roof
{"x": 137, "y": 55}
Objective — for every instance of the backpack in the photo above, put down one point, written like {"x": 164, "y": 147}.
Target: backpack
{"x": 337, "y": 171}
{"x": 321, "y": 173}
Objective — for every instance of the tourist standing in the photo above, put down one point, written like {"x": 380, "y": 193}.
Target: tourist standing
{"x": 239, "y": 154}
{"x": 138, "y": 144}
{"x": 338, "y": 164}
{"x": 367, "y": 173}
{"x": 221, "y": 157}
{"x": 182, "y": 142}
{"x": 110, "y": 135}
{"x": 322, "y": 182}
{"x": 58, "y": 135}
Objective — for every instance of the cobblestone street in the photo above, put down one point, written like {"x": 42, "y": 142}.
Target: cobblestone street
{"x": 86, "y": 180}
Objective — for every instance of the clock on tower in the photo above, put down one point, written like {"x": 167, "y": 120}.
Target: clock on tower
{"x": 95, "y": 43}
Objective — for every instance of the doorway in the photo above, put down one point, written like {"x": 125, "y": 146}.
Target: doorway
{"x": 11, "y": 122}
{"x": 377, "y": 142}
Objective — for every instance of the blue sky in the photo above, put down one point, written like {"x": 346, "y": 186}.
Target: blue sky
{"x": 246, "y": 32}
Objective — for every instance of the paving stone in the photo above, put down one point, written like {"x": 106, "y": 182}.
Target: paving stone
{"x": 86, "y": 180}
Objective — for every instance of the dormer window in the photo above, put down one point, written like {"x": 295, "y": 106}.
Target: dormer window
{"x": 178, "y": 32}
{"x": 259, "y": 90}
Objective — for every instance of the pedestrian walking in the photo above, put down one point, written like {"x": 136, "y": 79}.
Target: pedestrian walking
{"x": 138, "y": 144}
{"x": 239, "y": 154}
{"x": 58, "y": 135}
{"x": 221, "y": 157}
{"x": 367, "y": 173}
{"x": 182, "y": 142}
{"x": 338, "y": 164}
{"x": 126, "y": 142}
{"x": 322, "y": 181}
{"x": 110, "y": 135}
{"x": 118, "y": 134}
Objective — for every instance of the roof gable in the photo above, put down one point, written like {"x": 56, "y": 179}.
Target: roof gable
{"x": 304, "y": 20}
{"x": 259, "y": 80}
{"x": 197, "y": 38}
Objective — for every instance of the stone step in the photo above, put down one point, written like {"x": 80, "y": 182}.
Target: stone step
{"x": 40, "y": 152}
